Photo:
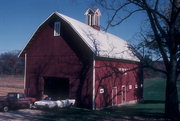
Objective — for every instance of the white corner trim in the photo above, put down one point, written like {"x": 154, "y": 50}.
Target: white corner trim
{"x": 94, "y": 86}
{"x": 25, "y": 65}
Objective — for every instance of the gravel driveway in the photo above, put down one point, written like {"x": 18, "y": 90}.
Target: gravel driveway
{"x": 24, "y": 115}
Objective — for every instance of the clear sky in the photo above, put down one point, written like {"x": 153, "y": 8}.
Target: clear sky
{"x": 20, "y": 18}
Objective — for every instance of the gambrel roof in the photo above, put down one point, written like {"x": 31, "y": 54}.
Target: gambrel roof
{"x": 103, "y": 44}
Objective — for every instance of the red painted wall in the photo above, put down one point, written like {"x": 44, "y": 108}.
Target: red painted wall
{"x": 50, "y": 56}
{"x": 66, "y": 56}
{"x": 109, "y": 78}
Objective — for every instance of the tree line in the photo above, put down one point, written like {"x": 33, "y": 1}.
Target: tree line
{"x": 10, "y": 64}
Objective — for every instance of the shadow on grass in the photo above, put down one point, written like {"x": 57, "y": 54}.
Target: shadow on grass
{"x": 146, "y": 111}
{"x": 153, "y": 102}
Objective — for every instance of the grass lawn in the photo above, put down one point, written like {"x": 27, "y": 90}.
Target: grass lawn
{"x": 136, "y": 112}
{"x": 154, "y": 90}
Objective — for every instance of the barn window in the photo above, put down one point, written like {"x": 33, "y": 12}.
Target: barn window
{"x": 130, "y": 86}
{"x": 123, "y": 70}
{"x": 57, "y": 26}
{"x": 136, "y": 86}
{"x": 101, "y": 90}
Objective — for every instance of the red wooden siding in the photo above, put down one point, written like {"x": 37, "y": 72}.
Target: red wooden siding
{"x": 50, "y": 56}
{"x": 115, "y": 84}
{"x": 69, "y": 58}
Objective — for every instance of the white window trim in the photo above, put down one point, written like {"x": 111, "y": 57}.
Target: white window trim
{"x": 57, "y": 26}
{"x": 25, "y": 70}
{"x": 94, "y": 85}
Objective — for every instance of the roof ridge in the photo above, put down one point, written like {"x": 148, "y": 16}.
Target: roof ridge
{"x": 102, "y": 43}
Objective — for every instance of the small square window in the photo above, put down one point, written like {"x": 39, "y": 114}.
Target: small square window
{"x": 136, "y": 86}
{"x": 101, "y": 90}
{"x": 57, "y": 26}
{"x": 130, "y": 86}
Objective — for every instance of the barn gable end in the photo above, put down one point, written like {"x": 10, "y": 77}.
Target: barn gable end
{"x": 80, "y": 62}
{"x": 52, "y": 57}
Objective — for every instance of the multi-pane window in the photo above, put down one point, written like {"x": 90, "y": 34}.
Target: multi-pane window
{"x": 57, "y": 26}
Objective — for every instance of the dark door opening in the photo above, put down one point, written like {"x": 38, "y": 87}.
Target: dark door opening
{"x": 56, "y": 87}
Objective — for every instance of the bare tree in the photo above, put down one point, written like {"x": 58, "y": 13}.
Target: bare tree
{"x": 10, "y": 64}
{"x": 163, "y": 18}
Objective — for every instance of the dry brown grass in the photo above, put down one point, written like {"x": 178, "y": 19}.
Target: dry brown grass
{"x": 11, "y": 83}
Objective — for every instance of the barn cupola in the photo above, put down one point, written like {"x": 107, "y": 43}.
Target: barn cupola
{"x": 93, "y": 18}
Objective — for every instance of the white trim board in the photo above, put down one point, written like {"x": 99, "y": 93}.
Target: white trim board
{"x": 94, "y": 86}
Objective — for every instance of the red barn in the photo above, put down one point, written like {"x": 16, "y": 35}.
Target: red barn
{"x": 70, "y": 59}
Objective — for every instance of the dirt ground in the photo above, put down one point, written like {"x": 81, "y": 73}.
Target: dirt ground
{"x": 24, "y": 115}
{"x": 11, "y": 83}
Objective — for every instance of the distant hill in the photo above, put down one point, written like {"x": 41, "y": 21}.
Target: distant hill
{"x": 149, "y": 73}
